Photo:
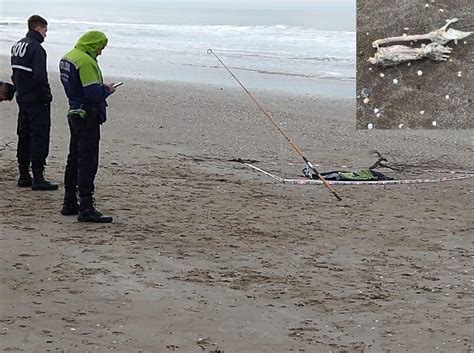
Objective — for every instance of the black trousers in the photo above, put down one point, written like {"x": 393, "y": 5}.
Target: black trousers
{"x": 83, "y": 158}
{"x": 33, "y": 129}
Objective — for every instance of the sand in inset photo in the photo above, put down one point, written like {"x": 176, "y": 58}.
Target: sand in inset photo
{"x": 415, "y": 64}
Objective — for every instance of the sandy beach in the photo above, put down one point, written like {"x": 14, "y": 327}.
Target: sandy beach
{"x": 207, "y": 255}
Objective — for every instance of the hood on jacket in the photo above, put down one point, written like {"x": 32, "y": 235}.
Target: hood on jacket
{"x": 91, "y": 41}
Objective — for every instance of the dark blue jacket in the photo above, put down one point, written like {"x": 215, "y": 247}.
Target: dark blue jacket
{"x": 30, "y": 76}
{"x": 82, "y": 77}
{"x": 82, "y": 98}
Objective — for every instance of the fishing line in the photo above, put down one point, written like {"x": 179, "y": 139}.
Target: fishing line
{"x": 279, "y": 129}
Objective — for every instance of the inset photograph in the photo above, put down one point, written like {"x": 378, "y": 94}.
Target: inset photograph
{"x": 415, "y": 64}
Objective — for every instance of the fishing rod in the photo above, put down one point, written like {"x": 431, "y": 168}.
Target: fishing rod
{"x": 287, "y": 138}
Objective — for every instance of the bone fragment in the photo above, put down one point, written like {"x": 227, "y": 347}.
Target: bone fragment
{"x": 396, "y": 54}
{"x": 440, "y": 36}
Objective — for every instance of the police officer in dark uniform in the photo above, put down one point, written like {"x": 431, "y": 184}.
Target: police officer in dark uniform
{"x": 30, "y": 77}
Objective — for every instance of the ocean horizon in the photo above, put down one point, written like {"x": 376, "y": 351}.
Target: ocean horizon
{"x": 299, "y": 47}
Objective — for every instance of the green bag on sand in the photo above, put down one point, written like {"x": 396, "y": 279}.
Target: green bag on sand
{"x": 362, "y": 174}
{"x": 344, "y": 175}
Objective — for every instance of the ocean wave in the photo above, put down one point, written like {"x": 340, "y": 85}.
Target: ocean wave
{"x": 322, "y": 76}
{"x": 287, "y": 56}
{"x": 11, "y": 21}
{"x": 263, "y": 49}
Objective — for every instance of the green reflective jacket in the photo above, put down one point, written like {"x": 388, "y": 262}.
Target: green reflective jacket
{"x": 84, "y": 57}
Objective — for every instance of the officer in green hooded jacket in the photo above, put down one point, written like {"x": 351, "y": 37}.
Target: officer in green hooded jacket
{"x": 87, "y": 94}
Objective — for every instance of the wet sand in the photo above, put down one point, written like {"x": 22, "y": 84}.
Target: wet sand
{"x": 206, "y": 255}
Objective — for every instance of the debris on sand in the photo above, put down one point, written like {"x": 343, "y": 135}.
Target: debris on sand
{"x": 440, "y": 36}
{"x": 436, "y": 51}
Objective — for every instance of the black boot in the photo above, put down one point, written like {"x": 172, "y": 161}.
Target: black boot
{"x": 25, "y": 178}
{"x": 88, "y": 213}
{"x": 40, "y": 183}
{"x": 70, "y": 206}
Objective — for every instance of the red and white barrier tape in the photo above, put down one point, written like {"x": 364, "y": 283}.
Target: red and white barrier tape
{"x": 357, "y": 182}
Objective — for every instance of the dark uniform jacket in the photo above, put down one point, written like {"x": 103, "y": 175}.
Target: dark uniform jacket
{"x": 30, "y": 76}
